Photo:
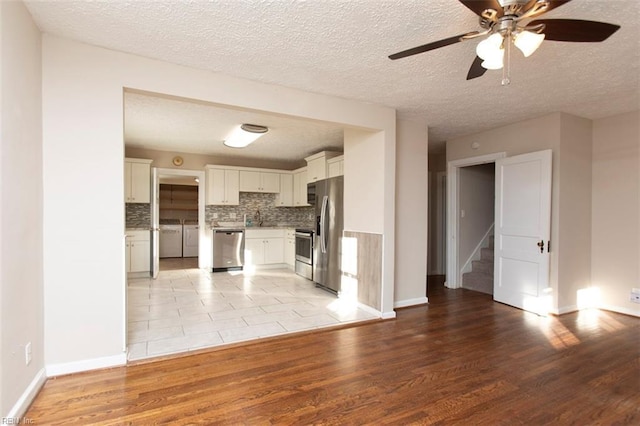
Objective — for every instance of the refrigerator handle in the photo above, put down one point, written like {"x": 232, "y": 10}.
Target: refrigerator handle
{"x": 323, "y": 224}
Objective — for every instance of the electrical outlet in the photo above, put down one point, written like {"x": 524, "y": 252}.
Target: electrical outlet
{"x": 232, "y": 215}
{"x": 310, "y": 217}
{"x": 635, "y": 295}
{"x": 27, "y": 353}
{"x": 215, "y": 215}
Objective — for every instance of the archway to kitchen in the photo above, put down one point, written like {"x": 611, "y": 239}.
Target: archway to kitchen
{"x": 188, "y": 307}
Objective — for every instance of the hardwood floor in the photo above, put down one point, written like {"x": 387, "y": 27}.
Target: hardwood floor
{"x": 462, "y": 359}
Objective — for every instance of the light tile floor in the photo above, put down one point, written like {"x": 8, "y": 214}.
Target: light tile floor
{"x": 189, "y": 309}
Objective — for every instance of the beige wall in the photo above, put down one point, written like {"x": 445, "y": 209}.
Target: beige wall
{"x": 411, "y": 213}
{"x": 82, "y": 120}
{"x": 163, "y": 159}
{"x": 615, "y": 247}
{"x": 436, "y": 249}
{"x": 21, "y": 270}
{"x": 477, "y": 198}
{"x": 574, "y": 228}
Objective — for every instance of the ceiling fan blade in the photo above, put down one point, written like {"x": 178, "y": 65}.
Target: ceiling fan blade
{"x": 479, "y": 6}
{"x": 552, "y": 4}
{"x": 476, "y": 70}
{"x": 576, "y": 30}
{"x": 430, "y": 46}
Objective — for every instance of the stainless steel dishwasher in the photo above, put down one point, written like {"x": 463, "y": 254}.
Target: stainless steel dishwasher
{"x": 228, "y": 249}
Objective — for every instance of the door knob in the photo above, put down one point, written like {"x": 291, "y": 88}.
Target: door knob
{"x": 541, "y": 245}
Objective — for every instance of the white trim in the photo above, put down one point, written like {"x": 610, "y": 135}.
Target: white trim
{"x": 484, "y": 243}
{"x": 621, "y": 310}
{"x": 564, "y": 310}
{"x": 27, "y": 397}
{"x": 368, "y": 309}
{"x": 411, "y": 302}
{"x": 453, "y": 173}
{"x": 204, "y": 252}
{"x": 441, "y": 230}
{"x": 388, "y": 315}
{"x": 86, "y": 365}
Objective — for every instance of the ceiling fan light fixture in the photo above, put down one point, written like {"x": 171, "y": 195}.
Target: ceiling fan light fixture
{"x": 528, "y": 42}
{"x": 492, "y": 65}
{"x": 490, "y": 49}
{"x": 244, "y": 135}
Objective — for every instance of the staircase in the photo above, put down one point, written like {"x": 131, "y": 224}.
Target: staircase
{"x": 481, "y": 276}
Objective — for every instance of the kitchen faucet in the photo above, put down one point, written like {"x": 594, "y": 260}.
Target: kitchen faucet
{"x": 257, "y": 217}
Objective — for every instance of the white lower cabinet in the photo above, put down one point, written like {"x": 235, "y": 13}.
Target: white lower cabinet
{"x": 264, "y": 246}
{"x": 290, "y": 248}
{"x": 138, "y": 251}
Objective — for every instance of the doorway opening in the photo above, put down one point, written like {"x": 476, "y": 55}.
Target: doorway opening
{"x": 178, "y": 219}
{"x": 470, "y": 216}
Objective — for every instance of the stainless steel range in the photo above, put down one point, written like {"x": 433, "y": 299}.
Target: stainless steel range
{"x": 304, "y": 253}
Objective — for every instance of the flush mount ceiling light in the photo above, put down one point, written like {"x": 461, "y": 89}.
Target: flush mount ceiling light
{"x": 245, "y": 134}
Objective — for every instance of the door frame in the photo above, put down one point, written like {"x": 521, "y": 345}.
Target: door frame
{"x": 204, "y": 249}
{"x": 453, "y": 276}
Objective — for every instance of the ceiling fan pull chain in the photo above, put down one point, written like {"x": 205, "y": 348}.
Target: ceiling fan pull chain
{"x": 506, "y": 68}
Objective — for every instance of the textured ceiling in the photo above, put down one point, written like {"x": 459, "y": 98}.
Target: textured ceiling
{"x": 340, "y": 47}
{"x": 168, "y": 124}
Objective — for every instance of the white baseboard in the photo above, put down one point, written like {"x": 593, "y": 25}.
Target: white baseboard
{"x": 27, "y": 397}
{"x": 388, "y": 315}
{"x": 369, "y": 310}
{"x": 564, "y": 310}
{"x": 86, "y": 365}
{"x": 621, "y": 310}
{"x": 617, "y": 309}
{"x": 411, "y": 302}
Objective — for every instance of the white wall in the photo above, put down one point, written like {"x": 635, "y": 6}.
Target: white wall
{"x": 411, "y": 214}
{"x": 82, "y": 118}
{"x": 615, "y": 247}
{"x": 21, "y": 293}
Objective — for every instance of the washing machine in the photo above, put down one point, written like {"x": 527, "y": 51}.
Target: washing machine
{"x": 190, "y": 235}
{"x": 170, "y": 238}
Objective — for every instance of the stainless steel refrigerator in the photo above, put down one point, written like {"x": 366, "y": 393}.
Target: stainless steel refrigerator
{"x": 327, "y": 195}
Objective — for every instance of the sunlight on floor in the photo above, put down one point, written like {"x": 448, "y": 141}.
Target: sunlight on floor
{"x": 559, "y": 336}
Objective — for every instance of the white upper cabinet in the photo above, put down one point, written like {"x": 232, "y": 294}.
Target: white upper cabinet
{"x": 256, "y": 181}
{"x": 300, "y": 188}
{"x": 285, "y": 196}
{"x": 317, "y": 165}
{"x": 222, "y": 186}
{"x": 137, "y": 180}
{"x": 335, "y": 166}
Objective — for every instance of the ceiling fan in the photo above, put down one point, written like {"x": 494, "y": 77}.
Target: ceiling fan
{"x": 502, "y": 22}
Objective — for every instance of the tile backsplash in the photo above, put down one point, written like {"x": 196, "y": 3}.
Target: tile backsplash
{"x": 137, "y": 215}
{"x": 271, "y": 215}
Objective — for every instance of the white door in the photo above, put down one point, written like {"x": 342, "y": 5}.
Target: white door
{"x": 522, "y": 231}
{"x": 155, "y": 224}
